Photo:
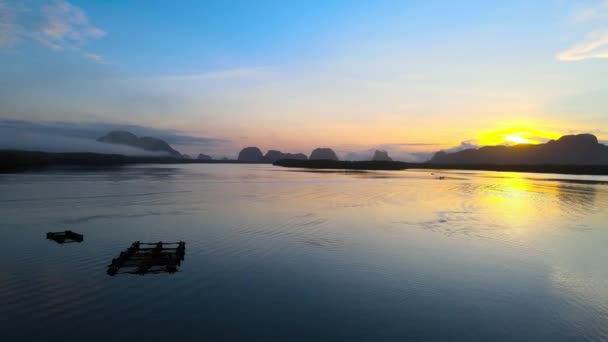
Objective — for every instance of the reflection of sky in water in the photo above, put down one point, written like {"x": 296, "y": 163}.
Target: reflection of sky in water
{"x": 276, "y": 253}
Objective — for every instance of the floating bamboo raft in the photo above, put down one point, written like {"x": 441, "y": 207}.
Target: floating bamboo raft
{"x": 142, "y": 258}
{"x": 67, "y": 236}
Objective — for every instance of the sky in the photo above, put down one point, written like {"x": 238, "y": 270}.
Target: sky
{"x": 406, "y": 76}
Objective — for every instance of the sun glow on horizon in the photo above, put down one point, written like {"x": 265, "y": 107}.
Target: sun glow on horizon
{"x": 515, "y": 135}
{"x": 516, "y": 139}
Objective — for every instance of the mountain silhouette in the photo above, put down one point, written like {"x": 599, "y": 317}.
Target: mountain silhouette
{"x": 203, "y": 156}
{"x": 581, "y": 149}
{"x": 144, "y": 143}
{"x": 251, "y": 155}
{"x": 381, "y": 156}
{"x": 323, "y": 154}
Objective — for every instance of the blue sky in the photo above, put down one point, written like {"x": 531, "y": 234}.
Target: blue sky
{"x": 295, "y": 75}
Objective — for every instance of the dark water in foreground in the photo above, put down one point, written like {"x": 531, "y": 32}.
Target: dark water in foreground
{"x": 276, "y": 254}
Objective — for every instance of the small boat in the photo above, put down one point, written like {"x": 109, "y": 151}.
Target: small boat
{"x": 65, "y": 236}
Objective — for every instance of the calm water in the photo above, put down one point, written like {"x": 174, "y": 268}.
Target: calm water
{"x": 278, "y": 254}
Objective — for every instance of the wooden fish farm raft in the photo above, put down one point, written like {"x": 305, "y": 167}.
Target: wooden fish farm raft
{"x": 142, "y": 258}
{"x": 66, "y": 236}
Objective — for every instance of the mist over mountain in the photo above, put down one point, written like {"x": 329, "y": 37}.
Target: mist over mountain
{"x": 274, "y": 155}
{"x": 370, "y": 155}
{"x": 581, "y": 149}
{"x": 24, "y": 140}
{"x": 145, "y": 143}
{"x": 59, "y": 136}
{"x": 254, "y": 155}
{"x": 357, "y": 156}
{"x": 381, "y": 156}
{"x": 397, "y": 152}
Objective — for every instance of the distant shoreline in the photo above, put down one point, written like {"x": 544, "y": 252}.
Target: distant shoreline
{"x": 14, "y": 161}
{"x": 20, "y": 161}
{"x": 592, "y": 170}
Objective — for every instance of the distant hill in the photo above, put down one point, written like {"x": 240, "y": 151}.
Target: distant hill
{"x": 251, "y": 155}
{"x": 19, "y": 161}
{"x": 274, "y": 155}
{"x": 254, "y": 155}
{"x": 396, "y": 165}
{"x": 144, "y": 143}
{"x": 323, "y": 154}
{"x": 324, "y": 164}
{"x": 582, "y": 149}
{"x": 203, "y": 156}
{"x": 381, "y": 156}
{"x": 22, "y": 161}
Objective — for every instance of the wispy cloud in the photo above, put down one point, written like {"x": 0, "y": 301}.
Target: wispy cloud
{"x": 65, "y": 24}
{"x": 591, "y": 13}
{"x": 57, "y": 25}
{"x": 222, "y": 75}
{"x": 94, "y": 57}
{"x": 595, "y": 45}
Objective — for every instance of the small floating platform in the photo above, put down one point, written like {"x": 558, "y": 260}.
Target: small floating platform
{"x": 143, "y": 257}
{"x": 66, "y": 236}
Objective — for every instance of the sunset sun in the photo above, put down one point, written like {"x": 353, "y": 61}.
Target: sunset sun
{"x": 516, "y": 139}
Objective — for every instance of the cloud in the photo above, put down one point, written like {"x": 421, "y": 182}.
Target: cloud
{"x": 67, "y": 24}
{"x": 595, "y": 45}
{"x": 74, "y": 137}
{"x": 94, "y": 57}
{"x": 591, "y": 14}
{"x": 537, "y": 139}
{"x": 412, "y": 144}
{"x": 16, "y": 140}
{"x": 464, "y": 145}
{"x": 223, "y": 75}
{"x": 57, "y": 25}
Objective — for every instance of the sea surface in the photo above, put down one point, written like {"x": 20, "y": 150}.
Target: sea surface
{"x": 293, "y": 255}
